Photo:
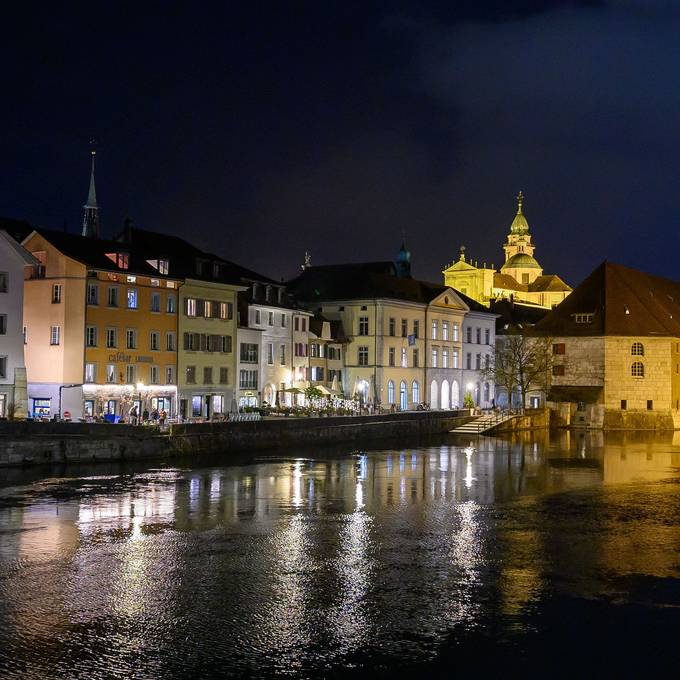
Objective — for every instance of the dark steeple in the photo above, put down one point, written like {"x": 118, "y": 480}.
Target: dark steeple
{"x": 403, "y": 263}
{"x": 91, "y": 209}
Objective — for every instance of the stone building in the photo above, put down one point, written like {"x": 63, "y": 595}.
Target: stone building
{"x": 616, "y": 351}
{"x": 520, "y": 278}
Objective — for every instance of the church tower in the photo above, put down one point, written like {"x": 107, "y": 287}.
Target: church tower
{"x": 91, "y": 209}
{"x": 519, "y": 250}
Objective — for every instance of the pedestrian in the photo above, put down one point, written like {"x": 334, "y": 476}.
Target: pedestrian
{"x": 154, "y": 416}
{"x": 145, "y": 416}
{"x": 163, "y": 416}
{"x": 133, "y": 415}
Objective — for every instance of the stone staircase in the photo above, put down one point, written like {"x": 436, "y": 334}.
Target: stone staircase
{"x": 484, "y": 423}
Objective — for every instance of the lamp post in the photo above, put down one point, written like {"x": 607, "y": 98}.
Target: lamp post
{"x": 140, "y": 387}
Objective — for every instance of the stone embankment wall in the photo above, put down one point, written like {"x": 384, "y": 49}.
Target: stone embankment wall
{"x": 36, "y": 443}
{"x": 532, "y": 419}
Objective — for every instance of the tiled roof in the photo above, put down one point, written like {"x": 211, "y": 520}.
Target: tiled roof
{"x": 548, "y": 283}
{"x": 623, "y": 301}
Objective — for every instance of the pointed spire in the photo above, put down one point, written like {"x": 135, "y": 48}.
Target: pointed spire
{"x": 519, "y": 224}
{"x": 520, "y": 200}
{"x": 91, "y": 209}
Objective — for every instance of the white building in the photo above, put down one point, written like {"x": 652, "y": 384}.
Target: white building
{"x": 479, "y": 343}
{"x": 13, "y": 386}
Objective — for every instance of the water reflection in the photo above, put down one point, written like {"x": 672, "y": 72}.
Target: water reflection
{"x": 302, "y": 565}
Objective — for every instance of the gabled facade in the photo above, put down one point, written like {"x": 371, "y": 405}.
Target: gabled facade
{"x": 616, "y": 351}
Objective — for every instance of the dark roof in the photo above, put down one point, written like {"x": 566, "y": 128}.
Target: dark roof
{"x": 336, "y": 328}
{"x": 360, "y": 281}
{"x": 508, "y": 282}
{"x": 623, "y": 301}
{"x": 516, "y": 315}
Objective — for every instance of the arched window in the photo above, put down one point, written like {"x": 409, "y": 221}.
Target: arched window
{"x": 637, "y": 349}
{"x": 637, "y": 370}
{"x": 403, "y": 396}
{"x": 487, "y": 392}
{"x": 390, "y": 392}
{"x": 415, "y": 392}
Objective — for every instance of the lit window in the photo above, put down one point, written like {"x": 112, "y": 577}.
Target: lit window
{"x": 132, "y": 298}
{"x": 55, "y": 335}
{"x": 90, "y": 373}
{"x": 131, "y": 279}
{"x": 363, "y": 356}
{"x": 637, "y": 370}
{"x": 415, "y": 391}
{"x": 121, "y": 260}
{"x": 91, "y": 336}
{"x": 56, "y": 294}
{"x": 191, "y": 306}
{"x": 170, "y": 304}
{"x": 390, "y": 392}
{"x": 583, "y": 318}
{"x": 110, "y": 373}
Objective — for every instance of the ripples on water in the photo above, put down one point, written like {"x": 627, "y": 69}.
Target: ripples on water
{"x": 445, "y": 558}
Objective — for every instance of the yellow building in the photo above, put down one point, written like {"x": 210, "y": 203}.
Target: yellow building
{"x": 521, "y": 277}
{"x": 101, "y": 327}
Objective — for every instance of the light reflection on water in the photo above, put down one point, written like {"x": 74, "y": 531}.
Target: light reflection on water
{"x": 302, "y": 565}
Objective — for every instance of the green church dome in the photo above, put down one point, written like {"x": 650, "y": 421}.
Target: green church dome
{"x": 519, "y": 225}
{"x": 521, "y": 260}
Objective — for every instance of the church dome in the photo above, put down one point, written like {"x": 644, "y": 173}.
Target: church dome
{"x": 521, "y": 261}
{"x": 519, "y": 225}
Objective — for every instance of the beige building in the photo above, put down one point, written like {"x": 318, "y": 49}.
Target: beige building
{"x": 520, "y": 278}
{"x": 404, "y": 340}
{"x": 616, "y": 351}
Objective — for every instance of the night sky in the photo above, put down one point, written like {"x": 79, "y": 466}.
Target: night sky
{"x": 259, "y": 130}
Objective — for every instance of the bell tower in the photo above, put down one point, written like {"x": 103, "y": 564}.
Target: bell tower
{"x": 91, "y": 209}
{"x": 519, "y": 238}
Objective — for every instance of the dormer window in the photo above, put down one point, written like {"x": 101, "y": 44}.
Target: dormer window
{"x": 280, "y": 295}
{"x": 255, "y": 291}
{"x": 216, "y": 270}
{"x": 583, "y": 318}
{"x": 268, "y": 293}
{"x": 121, "y": 260}
{"x": 162, "y": 266}
{"x": 199, "y": 267}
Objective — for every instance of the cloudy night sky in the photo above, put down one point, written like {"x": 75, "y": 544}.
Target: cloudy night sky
{"x": 259, "y": 130}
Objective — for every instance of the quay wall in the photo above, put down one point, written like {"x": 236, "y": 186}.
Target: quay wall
{"x": 28, "y": 443}
{"x": 531, "y": 419}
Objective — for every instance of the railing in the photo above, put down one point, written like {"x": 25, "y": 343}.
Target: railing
{"x": 488, "y": 422}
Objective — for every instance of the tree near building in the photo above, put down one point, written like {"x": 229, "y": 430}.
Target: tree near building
{"x": 521, "y": 363}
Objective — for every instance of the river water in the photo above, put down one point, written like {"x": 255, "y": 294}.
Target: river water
{"x": 548, "y": 556}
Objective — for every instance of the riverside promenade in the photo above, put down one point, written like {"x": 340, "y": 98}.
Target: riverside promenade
{"x": 36, "y": 443}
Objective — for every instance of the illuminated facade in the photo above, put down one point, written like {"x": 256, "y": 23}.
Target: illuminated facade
{"x": 520, "y": 278}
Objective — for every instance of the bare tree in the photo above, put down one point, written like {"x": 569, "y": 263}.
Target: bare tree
{"x": 521, "y": 362}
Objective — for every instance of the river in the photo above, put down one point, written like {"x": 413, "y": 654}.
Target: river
{"x": 538, "y": 556}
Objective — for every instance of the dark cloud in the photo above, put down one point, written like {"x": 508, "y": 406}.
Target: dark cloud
{"x": 266, "y": 130}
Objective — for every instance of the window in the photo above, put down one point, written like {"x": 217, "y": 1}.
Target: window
{"x": 248, "y": 353}
{"x": 271, "y": 318}
{"x": 455, "y": 331}
{"x": 3, "y": 367}
{"x": 56, "y": 293}
{"x": 121, "y": 260}
{"x": 92, "y": 294}
{"x": 3, "y": 281}
{"x": 282, "y": 355}
{"x": 112, "y": 298}
{"x": 455, "y": 358}
{"x": 90, "y": 373}
{"x": 479, "y": 336}
{"x": 478, "y": 361}
{"x": 131, "y": 338}
{"x": 91, "y": 336}
{"x": 155, "y": 302}
{"x": 130, "y": 374}
{"x": 111, "y": 338}
{"x": 392, "y": 327}
{"x": 154, "y": 341}
{"x": 363, "y": 356}
{"x": 487, "y": 338}
{"x": 445, "y": 358}
{"x": 163, "y": 266}
{"x": 650, "y": 405}
{"x": 170, "y": 304}
{"x": 559, "y": 348}
{"x": 583, "y": 318}
{"x": 637, "y": 370}
{"x": 624, "y": 404}
{"x": 296, "y": 323}
{"x": 25, "y": 335}
{"x": 314, "y": 350}
{"x": 55, "y": 335}
{"x": 637, "y": 349}
{"x": 170, "y": 344}
{"x": 391, "y": 356}
{"x": 390, "y": 392}
{"x": 131, "y": 279}
{"x": 191, "y": 375}
{"x": 300, "y": 349}
{"x": 226, "y": 310}
{"x": 207, "y": 309}
{"x": 3, "y": 324}
{"x": 416, "y": 358}
{"x": 110, "y": 373}
{"x": 258, "y": 317}
{"x": 415, "y": 391}
{"x": 224, "y": 375}
{"x": 404, "y": 328}
{"x": 435, "y": 327}
{"x": 558, "y": 369}
{"x": 468, "y": 334}
{"x": 153, "y": 375}
{"x": 468, "y": 361}
{"x": 169, "y": 375}
{"x": 445, "y": 330}
{"x": 247, "y": 380}
{"x": 416, "y": 328}
{"x": 404, "y": 362}
{"x": 363, "y": 325}
{"x": 226, "y": 343}
{"x": 487, "y": 361}
{"x": 435, "y": 357}
{"x": 270, "y": 353}
{"x": 191, "y": 306}
{"x": 132, "y": 298}
{"x": 525, "y": 278}
{"x": 207, "y": 375}
{"x": 283, "y": 321}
